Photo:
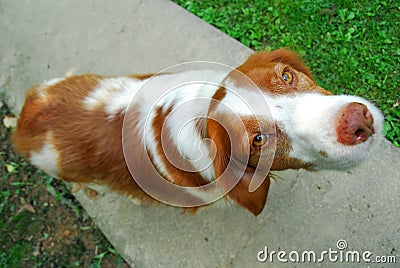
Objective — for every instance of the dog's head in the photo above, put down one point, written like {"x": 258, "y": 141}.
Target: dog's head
{"x": 271, "y": 115}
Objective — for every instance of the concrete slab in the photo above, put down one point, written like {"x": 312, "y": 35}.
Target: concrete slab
{"x": 305, "y": 211}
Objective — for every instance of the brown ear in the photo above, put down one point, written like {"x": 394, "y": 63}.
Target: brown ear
{"x": 227, "y": 172}
{"x": 253, "y": 201}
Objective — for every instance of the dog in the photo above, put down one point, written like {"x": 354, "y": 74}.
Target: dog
{"x": 191, "y": 137}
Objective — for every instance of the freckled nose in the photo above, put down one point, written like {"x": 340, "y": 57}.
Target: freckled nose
{"x": 354, "y": 124}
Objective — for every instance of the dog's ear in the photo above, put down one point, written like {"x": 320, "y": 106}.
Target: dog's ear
{"x": 228, "y": 171}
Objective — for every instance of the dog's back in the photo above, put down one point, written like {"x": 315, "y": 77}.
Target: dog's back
{"x": 59, "y": 135}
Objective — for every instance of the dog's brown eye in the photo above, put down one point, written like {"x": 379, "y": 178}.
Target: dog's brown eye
{"x": 287, "y": 76}
{"x": 260, "y": 140}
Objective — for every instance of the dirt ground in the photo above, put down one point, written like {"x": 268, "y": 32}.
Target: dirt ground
{"x": 41, "y": 223}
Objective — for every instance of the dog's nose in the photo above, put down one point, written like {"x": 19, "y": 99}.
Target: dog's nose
{"x": 354, "y": 124}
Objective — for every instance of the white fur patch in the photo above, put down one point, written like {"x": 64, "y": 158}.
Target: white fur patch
{"x": 52, "y": 82}
{"x": 47, "y": 158}
{"x": 237, "y": 99}
{"x": 114, "y": 94}
{"x": 309, "y": 121}
{"x": 244, "y": 101}
{"x": 41, "y": 89}
{"x": 207, "y": 197}
{"x": 188, "y": 95}
{"x": 181, "y": 123}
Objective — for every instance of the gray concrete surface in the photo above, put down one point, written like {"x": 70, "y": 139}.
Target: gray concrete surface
{"x": 305, "y": 211}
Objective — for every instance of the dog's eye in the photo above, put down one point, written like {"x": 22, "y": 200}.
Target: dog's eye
{"x": 260, "y": 140}
{"x": 287, "y": 76}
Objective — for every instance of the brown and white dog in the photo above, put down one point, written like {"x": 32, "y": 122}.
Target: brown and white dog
{"x": 123, "y": 132}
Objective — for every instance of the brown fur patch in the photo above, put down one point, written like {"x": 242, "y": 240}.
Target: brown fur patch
{"x": 89, "y": 143}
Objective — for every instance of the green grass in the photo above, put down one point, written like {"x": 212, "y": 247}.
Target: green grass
{"x": 352, "y": 47}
